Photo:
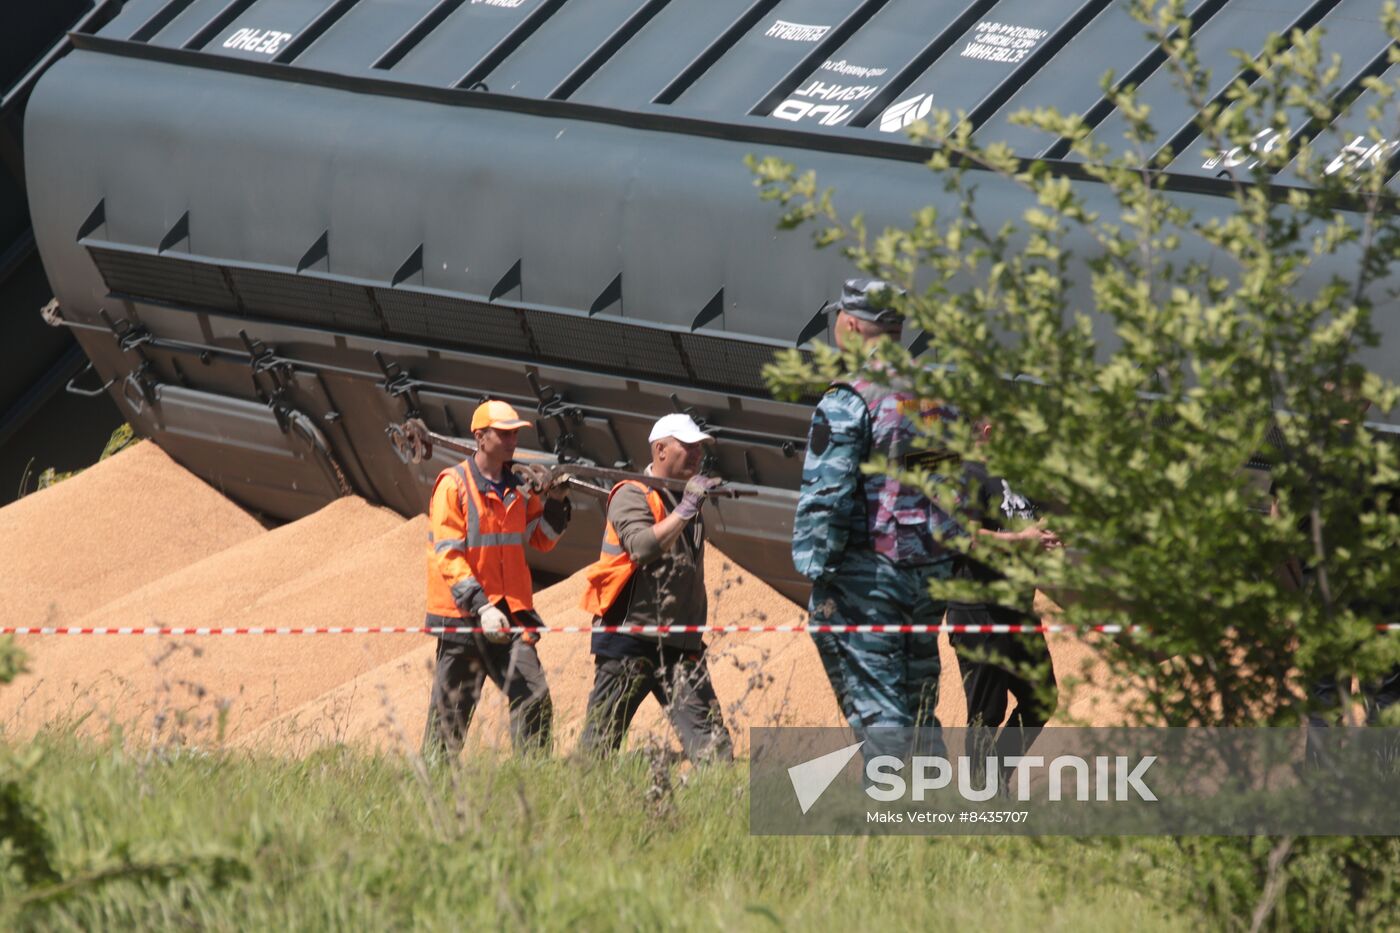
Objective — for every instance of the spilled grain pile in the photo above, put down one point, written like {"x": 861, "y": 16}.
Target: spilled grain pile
{"x": 139, "y": 541}
{"x": 761, "y": 679}
{"x": 349, "y": 564}
{"x": 124, "y": 523}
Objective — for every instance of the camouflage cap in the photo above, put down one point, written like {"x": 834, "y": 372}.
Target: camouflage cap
{"x": 870, "y": 300}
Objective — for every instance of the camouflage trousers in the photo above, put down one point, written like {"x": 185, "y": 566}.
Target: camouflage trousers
{"x": 885, "y": 684}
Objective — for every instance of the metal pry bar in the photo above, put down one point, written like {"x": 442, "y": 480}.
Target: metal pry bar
{"x": 413, "y": 442}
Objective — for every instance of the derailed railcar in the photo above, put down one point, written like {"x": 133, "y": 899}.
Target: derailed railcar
{"x": 40, "y": 425}
{"x": 278, "y": 226}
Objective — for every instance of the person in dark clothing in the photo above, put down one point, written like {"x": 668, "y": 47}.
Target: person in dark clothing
{"x": 995, "y": 665}
{"x": 1325, "y": 708}
{"x": 1377, "y": 696}
{"x": 651, "y": 571}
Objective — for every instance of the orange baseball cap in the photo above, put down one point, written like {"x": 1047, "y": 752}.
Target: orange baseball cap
{"x": 496, "y": 414}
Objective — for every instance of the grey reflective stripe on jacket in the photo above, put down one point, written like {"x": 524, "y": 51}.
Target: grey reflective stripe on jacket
{"x": 475, "y": 538}
{"x": 495, "y": 539}
{"x": 551, "y": 531}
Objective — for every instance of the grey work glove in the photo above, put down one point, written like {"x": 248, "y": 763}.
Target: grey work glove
{"x": 535, "y": 476}
{"x": 495, "y": 625}
{"x": 559, "y": 485}
{"x": 696, "y": 490}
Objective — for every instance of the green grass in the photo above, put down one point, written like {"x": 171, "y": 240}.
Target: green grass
{"x": 351, "y": 840}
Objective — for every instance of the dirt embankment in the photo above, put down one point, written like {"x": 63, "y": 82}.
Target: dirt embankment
{"x": 139, "y": 541}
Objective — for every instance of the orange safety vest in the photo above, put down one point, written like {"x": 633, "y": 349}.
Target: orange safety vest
{"x": 605, "y": 580}
{"x": 482, "y": 536}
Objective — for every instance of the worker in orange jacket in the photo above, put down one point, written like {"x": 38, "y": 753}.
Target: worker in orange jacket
{"x": 481, "y": 516}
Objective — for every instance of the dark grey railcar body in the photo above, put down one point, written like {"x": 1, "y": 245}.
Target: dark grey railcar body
{"x": 279, "y": 226}
{"x": 41, "y": 426}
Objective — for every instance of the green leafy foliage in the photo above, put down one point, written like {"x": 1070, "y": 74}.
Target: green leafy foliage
{"x": 23, "y": 835}
{"x": 12, "y": 661}
{"x": 1133, "y": 349}
{"x": 120, "y": 439}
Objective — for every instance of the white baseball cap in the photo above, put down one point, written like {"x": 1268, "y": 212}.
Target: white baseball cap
{"x": 682, "y": 427}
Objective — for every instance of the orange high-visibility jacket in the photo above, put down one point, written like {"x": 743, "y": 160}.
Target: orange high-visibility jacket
{"x": 606, "y": 578}
{"x": 476, "y": 542}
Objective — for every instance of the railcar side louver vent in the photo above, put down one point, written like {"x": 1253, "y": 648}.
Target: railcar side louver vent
{"x": 593, "y": 343}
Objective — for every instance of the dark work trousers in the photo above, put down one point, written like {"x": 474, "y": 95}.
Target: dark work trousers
{"x": 1376, "y": 698}
{"x": 680, "y": 683}
{"x": 995, "y": 666}
{"x": 458, "y": 680}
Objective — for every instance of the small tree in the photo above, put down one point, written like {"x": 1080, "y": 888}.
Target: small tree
{"x": 1130, "y": 381}
{"x": 1133, "y": 414}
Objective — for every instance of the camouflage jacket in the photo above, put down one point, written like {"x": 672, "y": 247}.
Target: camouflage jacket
{"x": 839, "y": 508}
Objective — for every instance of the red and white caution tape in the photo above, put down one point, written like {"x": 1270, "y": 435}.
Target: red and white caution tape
{"x": 605, "y": 629}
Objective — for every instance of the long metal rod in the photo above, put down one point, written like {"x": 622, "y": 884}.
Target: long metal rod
{"x": 414, "y": 432}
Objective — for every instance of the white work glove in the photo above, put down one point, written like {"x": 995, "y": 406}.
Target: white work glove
{"x": 495, "y": 625}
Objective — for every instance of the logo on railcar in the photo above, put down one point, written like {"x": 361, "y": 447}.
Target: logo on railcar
{"x": 905, "y": 113}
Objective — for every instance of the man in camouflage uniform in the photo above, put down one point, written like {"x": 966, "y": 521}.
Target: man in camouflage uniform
{"x": 870, "y": 544}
